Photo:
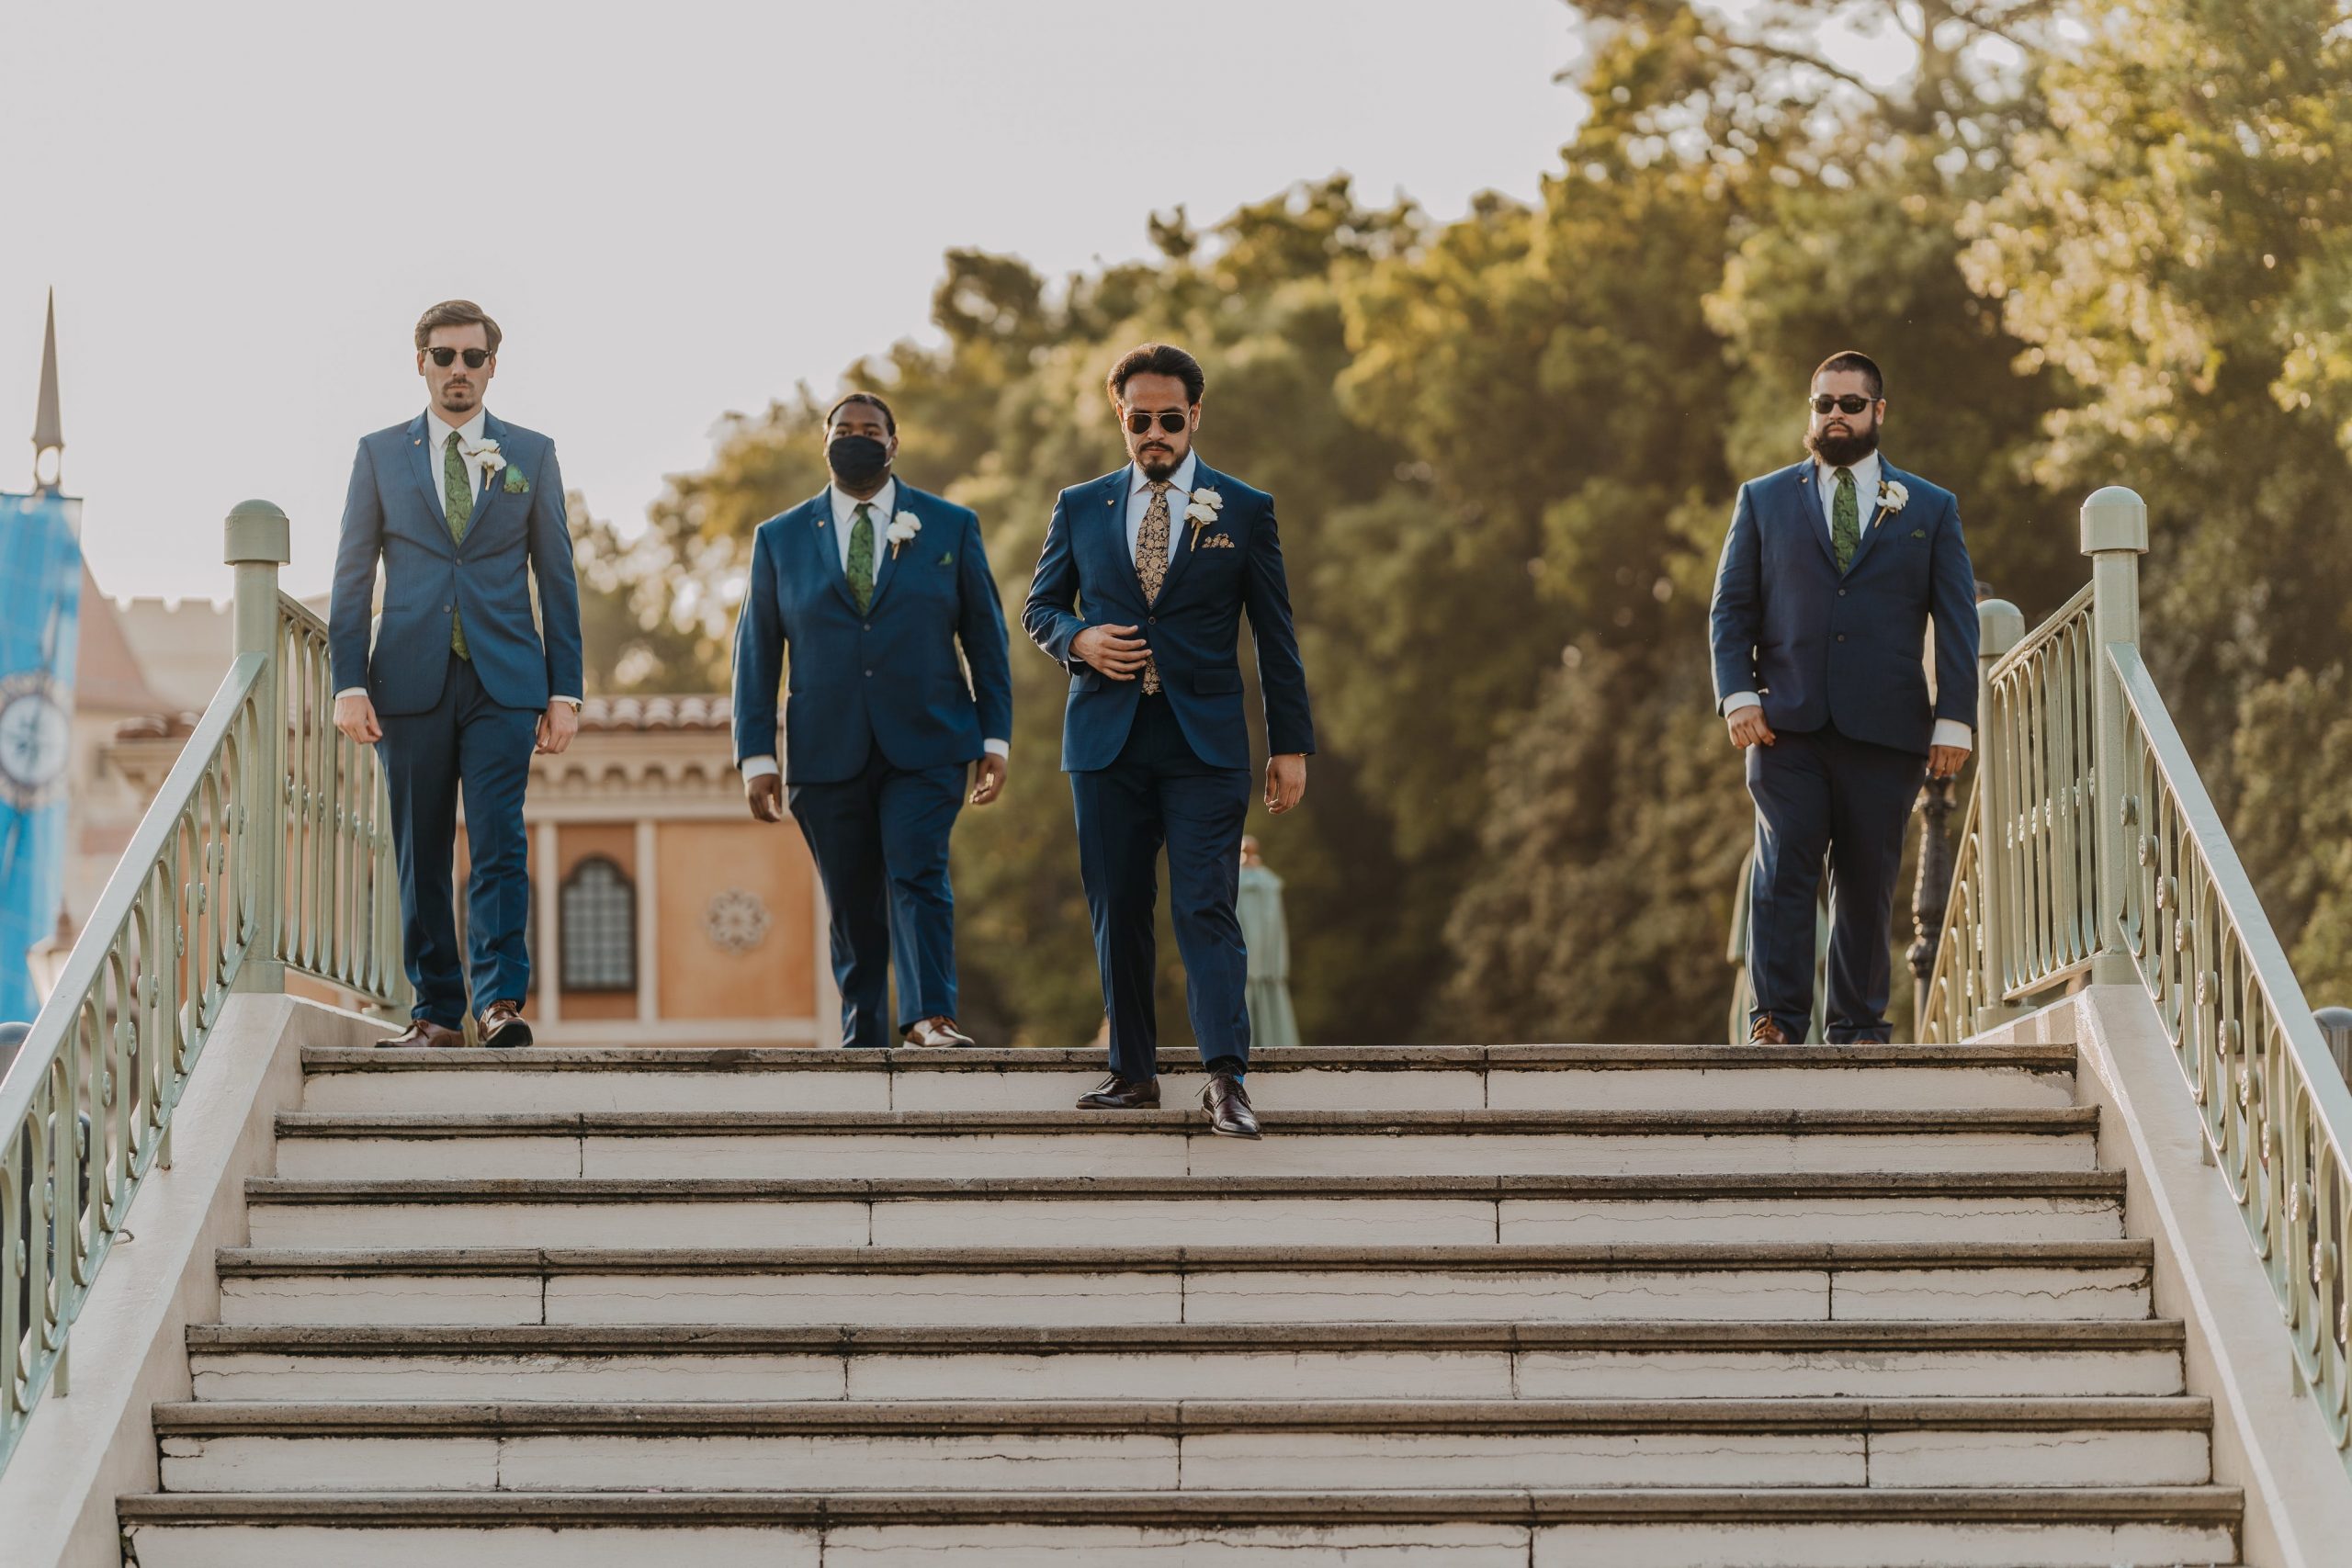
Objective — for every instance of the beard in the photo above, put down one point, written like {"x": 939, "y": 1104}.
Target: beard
{"x": 1842, "y": 451}
{"x": 1158, "y": 463}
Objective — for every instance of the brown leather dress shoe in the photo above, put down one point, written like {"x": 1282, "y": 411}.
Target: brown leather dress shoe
{"x": 1228, "y": 1107}
{"x": 1115, "y": 1093}
{"x": 1766, "y": 1032}
{"x": 502, "y": 1026}
{"x": 422, "y": 1034}
{"x": 937, "y": 1032}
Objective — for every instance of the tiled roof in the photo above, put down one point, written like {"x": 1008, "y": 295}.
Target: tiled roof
{"x": 696, "y": 711}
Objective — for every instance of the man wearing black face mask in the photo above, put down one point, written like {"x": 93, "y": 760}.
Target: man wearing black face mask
{"x": 871, "y": 585}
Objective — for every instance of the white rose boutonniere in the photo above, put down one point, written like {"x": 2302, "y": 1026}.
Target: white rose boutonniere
{"x": 902, "y": 532}
{"x": 1202, "y": 512}
{"x": 1892, "y": 498}
{"x": 485, "y": 455}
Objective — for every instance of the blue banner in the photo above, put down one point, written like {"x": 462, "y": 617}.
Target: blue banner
{"x": 40, "y": 611}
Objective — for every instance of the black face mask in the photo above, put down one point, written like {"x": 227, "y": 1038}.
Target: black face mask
{"x": 858, "y": 461}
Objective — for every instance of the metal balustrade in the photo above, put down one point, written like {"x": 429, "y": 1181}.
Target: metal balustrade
{"x": 2093, "y": 853}
{"x": 268, "y": 849}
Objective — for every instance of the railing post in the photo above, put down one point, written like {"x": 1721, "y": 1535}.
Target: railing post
{"x": 2115, "y": 535}
{"x": 2000, "y": 626}
{"x": 258, "y": 544}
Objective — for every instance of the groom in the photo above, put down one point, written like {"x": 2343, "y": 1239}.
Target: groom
{"x": 1140, "y": 594}
{"x": 1833, "y": 569}
{"x": 463, "y": 511}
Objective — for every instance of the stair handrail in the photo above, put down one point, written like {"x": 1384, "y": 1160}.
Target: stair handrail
{"x": 268, "y": 849}
{"x": 2096, "y": 855}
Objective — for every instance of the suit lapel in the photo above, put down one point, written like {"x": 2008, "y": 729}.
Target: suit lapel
{"x": 486, "y": 493}
{"x": 1203, "y": 478}
{"x": 426, "y": 436}
{"x": 1805, "y": 491}
{"x": 1872, "y": 520}
{"x": 819, "y": 525}
{"x": 1111, "y": 513}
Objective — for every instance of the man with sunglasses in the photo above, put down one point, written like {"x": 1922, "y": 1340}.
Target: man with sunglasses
{"x": 1140, "y": 594}
{"x": 463, "y": 512}
{"x": 1832, "y": 573}
{"x": 866, "y": 590}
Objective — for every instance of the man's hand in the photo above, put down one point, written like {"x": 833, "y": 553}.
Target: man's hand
{"x": 990, "y": 781}
{"x": 1945, "y": 761}
{"x": 355, "y": 717}
{"x": 1286, "y": 782}
{"x": 1114, "y": 650}
{"x": 557, "y": 724}
{"x": 1748, "y": 728}
{"x": 766, "y": 796}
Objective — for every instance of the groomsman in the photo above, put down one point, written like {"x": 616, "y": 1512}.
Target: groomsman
{"x": 871, "y": 585}
{"x": 1833, "y": 569}
{"x": 463, "y": 511}
{"x": 1140, "y": 594}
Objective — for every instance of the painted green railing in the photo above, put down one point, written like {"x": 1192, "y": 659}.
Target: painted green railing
{"x": 2095, "y": 853}
{"x": 268, "y": 849}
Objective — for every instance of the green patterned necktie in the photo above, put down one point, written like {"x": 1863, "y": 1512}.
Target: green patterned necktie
{"x": 1845, "y": 521}
{"x": 860, "y": 557}
{"x": 458, "y": 508}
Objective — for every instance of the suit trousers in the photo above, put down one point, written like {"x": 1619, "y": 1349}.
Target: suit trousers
{"x": 880, "y": 844}
{"x": 464, "y": 745}
{"x": 1820, "y": 795}
{"x": 1158, "y": 794}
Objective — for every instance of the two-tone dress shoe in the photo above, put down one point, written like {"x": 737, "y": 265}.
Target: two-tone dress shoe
{"x": 502, "y": 1026}
{"x": 1227, "y": 1104}
{"x": 423, "y": 1032}
{"x": 936, "y": 1032}
{"x": 1115, "y": 1093}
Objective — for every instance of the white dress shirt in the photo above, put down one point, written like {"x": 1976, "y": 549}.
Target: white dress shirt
{"x": 1949, "y": 731}
{"x": 845, "y": 505}
{"x": 1139, "y": 502}
{"x": 469, "y": 438}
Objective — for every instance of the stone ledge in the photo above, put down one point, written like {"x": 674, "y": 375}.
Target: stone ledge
{"x": 246, "y": 1262}
{"x": 2196, "y": 1504}
{"x": 1893, "y": 1185}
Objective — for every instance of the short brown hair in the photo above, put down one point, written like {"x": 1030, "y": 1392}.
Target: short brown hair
{"x": 456, "y": 314}
{"x": 1157, "y": 359}
{"x": 889, "y": 420}
{"x": 1853, "y": 359}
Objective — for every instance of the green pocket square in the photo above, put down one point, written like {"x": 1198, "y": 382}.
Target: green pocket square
{"x": 947, "y": 559}
{"x": 515, "y": 483}
{"x": 1918, "y": 533}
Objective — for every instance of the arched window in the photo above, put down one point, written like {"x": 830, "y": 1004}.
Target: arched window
{"x": 599, "y": 928}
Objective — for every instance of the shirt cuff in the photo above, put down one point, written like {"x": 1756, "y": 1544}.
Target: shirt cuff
{"x": 1740, "y": 700}
{"x": 351, "y": 691}
{"x": 576, "y": 704}
{"x": 1951, "y": 732}
{"x": 997, "y": 748}
{"x": 759, "y": 768}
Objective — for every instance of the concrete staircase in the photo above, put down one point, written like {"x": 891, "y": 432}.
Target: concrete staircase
{"x": 1525, "y": 1306}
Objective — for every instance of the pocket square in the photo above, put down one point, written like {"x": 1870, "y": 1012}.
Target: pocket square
{"x": 1217, "y": 542}
{"x": 947, "y": 559}
{"x": 1918, "y": 533}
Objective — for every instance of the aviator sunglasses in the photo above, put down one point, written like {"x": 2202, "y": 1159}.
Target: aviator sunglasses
{"x": 475, "y": 357}
{"x": 1171, "y": 419}
{"x": 1852, "y": 403}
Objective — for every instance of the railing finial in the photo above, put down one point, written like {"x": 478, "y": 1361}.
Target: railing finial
{"x": 257, "y": 533}
{"x": 2115, "y": 518}
{"x": 2000, "y": 626}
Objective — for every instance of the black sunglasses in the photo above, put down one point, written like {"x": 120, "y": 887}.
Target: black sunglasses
{"x": 1171, "y": 419}
{"x": 1852, "y": 403}
{"x": 475, "y": 357}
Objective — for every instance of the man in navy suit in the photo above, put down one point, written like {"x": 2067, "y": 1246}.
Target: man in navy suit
{"x": 1139, "y": 594}
{"x": 463, "y": 511}
{"x": 1832, "y": 572}
{"x": 871, "y": 585}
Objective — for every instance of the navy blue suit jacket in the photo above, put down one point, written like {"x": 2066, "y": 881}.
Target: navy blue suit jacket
{"x": 1085, "y": 577}
{"x": 393, "y": 514}
{"x": 1844, "y": 651}
{"x": 888, "y": 678}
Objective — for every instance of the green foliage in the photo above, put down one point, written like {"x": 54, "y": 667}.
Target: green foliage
{"x": 1505, "y": 448}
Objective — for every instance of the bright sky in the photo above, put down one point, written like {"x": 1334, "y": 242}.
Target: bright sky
{"x": 674, "y": 211}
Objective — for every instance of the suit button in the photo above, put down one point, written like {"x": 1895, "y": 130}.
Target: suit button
{"x": 869, "y": 674}
{"x": 869, "y": 626}
{"x": 1841, "y": 637}
{"x": 1841, "y": 594}
{"x": 1152, "y": 619}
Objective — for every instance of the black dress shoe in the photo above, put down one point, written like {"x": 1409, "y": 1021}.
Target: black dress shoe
{"x": 1115, "y": 1093}
{"x": 1228, "y": 1107}
{"x": 424, "y": 1034}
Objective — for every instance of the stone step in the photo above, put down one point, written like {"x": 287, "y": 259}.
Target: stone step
{"x": 1585, "y": 1078}
{"x": 1317, "y": 1361}
{"x": 1143, "y": 1211}
{"x": 2154, "y": 1527}
{"x": 1760, "y": 1281}
{"x": 747, "y": 1145}
{"x": 1192, "y": 1445}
